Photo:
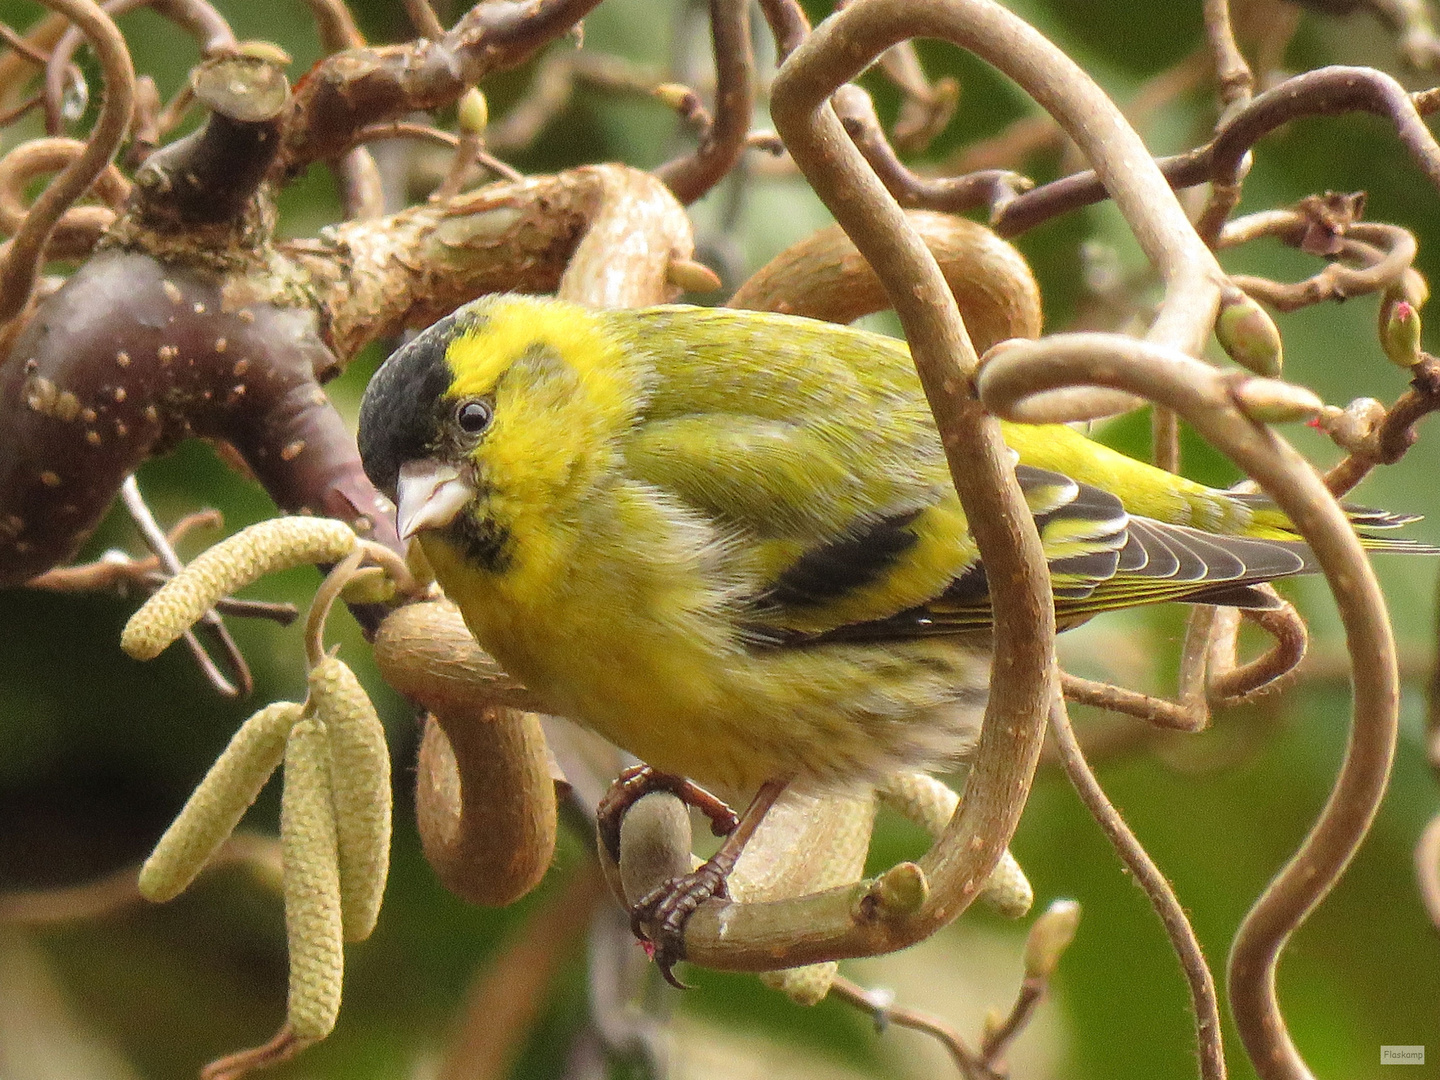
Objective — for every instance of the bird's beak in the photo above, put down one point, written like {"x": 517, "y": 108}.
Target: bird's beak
{"x": 428, "y": 496}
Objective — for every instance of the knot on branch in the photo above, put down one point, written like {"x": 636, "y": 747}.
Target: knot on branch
{"x": 212, "y": 178}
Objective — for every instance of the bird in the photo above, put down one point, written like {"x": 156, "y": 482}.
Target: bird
{"x": 728, "y": 540}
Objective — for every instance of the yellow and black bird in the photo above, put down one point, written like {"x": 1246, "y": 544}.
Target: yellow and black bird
{"x": 728, "y": 541}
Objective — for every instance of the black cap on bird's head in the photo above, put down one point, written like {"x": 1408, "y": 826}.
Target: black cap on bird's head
{"x": 401, "y": 412}
{"x": 410, "y": 433}
{"x": 506, "y": 405}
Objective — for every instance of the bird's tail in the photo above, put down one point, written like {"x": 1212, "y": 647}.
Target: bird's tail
{"x": 1270, "y": 523}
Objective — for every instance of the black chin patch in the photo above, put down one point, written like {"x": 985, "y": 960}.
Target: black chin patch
{"x": 401, "y": 412}
{"x": 485, "y": 543}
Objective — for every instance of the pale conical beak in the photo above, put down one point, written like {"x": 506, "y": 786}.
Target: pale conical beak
{"x": 428, "y": 496}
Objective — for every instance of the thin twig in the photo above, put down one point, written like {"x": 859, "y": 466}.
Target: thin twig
{"x": 422, "y": 16}
{"x": 1231, "y": 70}
{"x": 1159, "y": 891}
{"x": 990, "y": 188}
{"x": 325, "y": 597}
{"x": 1153, "y": 710}
{"x": 1236, "y": 84}
{"x": 691, "y": 176}
{"x": 407, "y": 129}
{"x": 346, "y": 92}
{"x": 927, "y": 107}
{"x": 1328, "y": 91}
{"x": 882, "y": 1009}
{"x": 39, "y": 57}
{"x": 998, "y": 1039}
{"x": 114, "y": 893}
{"x": 159, "y": 543}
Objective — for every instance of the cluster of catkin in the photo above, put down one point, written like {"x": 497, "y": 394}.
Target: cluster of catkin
{"x": 336, "y": 808}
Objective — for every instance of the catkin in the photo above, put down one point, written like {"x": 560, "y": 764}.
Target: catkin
{"x": 312, "y": 884}
{"x": 814, "y": 842}
{"x": 219, "y": 802}
{"x": 931, "y": 804}
{"x": 236, "y": 561}
{"x": 360, "y": 781}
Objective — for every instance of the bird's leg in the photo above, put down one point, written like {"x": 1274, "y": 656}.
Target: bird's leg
{"x": 661, "y": 914}
{"x": 634, "y": 783}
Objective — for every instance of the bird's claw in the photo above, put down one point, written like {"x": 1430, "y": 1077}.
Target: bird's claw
{"x": 661, "y": 914}
{"x": 637, "y": 781}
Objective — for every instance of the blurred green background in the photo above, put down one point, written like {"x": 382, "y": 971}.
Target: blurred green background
{"x": 98, "y": 752}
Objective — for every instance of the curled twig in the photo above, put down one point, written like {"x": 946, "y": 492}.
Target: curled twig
{"x": 197, "y": 17}
{"x": 1382, "y": 439}
{"x": 485, "y": 795}
{"x": 1209, "y": 676}
{"x": 824, "y": 277}
{"x": 691, "y": 176}
{"x": 1230, "y": 685}
{"x": 1023, "y": 381}
{"x": 991, "y": 188}
{"x": 325, "y": 597}
{"x": 27, "y": 249}
{"x": 1022, "y": 687}
{"x": 1381, "y": 254}
{"x": 79, "y": 227}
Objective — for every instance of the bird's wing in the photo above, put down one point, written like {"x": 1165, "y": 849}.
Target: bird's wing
{"x": 864, "y": 544}
{"x": 1099, "y": 558}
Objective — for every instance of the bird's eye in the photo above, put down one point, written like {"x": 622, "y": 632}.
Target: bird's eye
{"x": 473, "y": 416}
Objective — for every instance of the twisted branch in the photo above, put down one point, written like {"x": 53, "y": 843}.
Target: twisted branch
{"x": 26, "y": 254}
{"x": 1025, "y": 381}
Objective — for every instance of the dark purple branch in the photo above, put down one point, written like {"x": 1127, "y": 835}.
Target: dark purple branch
{"x": 130, "y": 357}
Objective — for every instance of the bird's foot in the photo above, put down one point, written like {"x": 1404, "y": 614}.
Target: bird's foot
{"x": 660, "y": 916}
{"x": 634, "y": 783}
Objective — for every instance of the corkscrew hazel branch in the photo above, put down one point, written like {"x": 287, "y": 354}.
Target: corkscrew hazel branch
{"x": 26, "y": 254}
{"x": 1021, "y": 380}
